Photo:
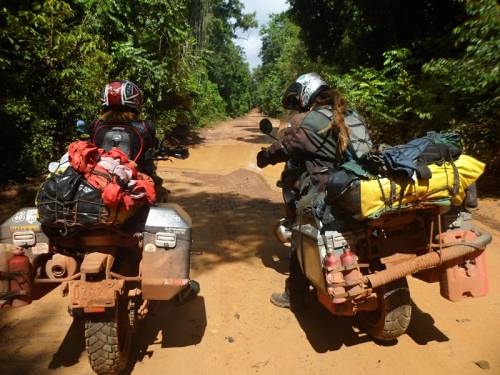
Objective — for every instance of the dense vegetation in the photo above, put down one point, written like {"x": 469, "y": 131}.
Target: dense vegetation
{"x": 56, "y": 56}
{"x": 408, "y": 67}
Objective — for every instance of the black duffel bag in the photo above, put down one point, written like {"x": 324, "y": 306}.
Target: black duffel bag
{"x": 67, "y": 199}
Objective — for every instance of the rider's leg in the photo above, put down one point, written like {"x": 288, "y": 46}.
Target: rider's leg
{"x": 296, "y": 288}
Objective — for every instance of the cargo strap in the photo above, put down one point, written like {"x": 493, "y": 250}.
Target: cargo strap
{"x": 393, "y": 195}
{"x": 388, "y": 201}
{"x": 423, "y": 171}
{"x": 107, "y": 176}
{"x": 325, "y": 112}
{"x": 456, "y": 179}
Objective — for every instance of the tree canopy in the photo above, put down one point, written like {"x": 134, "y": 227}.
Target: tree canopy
{"x": 351, "y": 33}
{"x": 407, "y": 67}
{"x": 283, "y": 57}
{"x": 225, "y": 61}
{"x": 57, "y": 55}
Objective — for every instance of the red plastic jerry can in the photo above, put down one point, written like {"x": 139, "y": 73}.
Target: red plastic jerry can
{"x": 466, "y": 276}
{"x": 20, "y": 264}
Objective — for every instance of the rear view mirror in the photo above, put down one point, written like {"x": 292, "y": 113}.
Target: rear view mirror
{"x": 266, "y": 126}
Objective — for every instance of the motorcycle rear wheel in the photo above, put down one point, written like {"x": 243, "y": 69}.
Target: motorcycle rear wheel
{"x": 107, "y": 340}
{"x": 393, "y": 315}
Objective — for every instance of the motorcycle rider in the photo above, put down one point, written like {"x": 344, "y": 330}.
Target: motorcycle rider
{"x": 323, "y": 135}
{"x": 120, "y": 125}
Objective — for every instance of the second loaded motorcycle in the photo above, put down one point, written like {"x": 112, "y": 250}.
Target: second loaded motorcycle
{"x": 358, "y": 241}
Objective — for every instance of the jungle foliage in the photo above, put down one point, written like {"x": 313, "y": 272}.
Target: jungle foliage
{"x": 284, "y": 57}
{"x": 57, "y": 55}
{"x": 407, "y": 67}
{"x": 226, "y": 65}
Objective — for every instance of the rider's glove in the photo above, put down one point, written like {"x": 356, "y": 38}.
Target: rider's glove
{"x": 262, "y": 158}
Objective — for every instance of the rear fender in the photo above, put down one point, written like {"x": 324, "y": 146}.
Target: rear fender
{"x": 96, "y": 262}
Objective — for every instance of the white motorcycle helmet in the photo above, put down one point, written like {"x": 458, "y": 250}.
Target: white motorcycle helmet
{"x": 300, "y": 95}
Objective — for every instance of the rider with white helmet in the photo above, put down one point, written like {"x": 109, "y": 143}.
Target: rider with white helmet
{"x": 323, "y": 135}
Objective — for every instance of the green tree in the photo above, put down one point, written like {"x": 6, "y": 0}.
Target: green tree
{"x": 284, "y": 58}
{"x": 350, "y": 33}
{"x": 51, "y": 71}
{"x": 471, "y": 80}
{"x": 56, "y": 56}
{"x": 226, "y": 64}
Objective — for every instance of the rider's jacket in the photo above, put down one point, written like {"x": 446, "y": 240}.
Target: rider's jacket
{"x": 135, "y": 138}
{"x": 307, "y": 143}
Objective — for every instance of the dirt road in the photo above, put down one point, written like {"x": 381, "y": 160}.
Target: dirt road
{"x": 231, "y": 328}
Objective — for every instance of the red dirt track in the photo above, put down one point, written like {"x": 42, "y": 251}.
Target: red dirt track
{"x": 231, "y": 328}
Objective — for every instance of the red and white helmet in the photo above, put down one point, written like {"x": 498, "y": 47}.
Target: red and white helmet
{"x": 122, "y": 95}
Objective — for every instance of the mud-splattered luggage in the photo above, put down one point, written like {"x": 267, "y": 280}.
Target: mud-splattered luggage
{"x": 166, "y": 253}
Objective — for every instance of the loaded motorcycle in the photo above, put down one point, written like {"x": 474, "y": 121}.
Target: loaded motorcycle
{"x": 111, "y": 273}
{"x": 358, "y": 264}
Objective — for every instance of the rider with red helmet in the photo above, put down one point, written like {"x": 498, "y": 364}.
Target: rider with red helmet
{"x": 120, "y": 125}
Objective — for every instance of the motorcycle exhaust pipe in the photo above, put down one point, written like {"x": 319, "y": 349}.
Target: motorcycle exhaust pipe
{"x": 60, "y": 266}
{"x": 427, "y": 261}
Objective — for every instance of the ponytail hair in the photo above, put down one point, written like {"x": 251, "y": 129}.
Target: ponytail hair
{"x": 337, "y": 125}
{"x": 119, "y": 116}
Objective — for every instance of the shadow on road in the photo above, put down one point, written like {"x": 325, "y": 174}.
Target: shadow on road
{"x": 179, "y": 326}
{"x": 327, "y": 332}
{"x": 255, "y": 138}
{"x": 182, "y": 136}
{"x": 71, "y": 347}
{"x": 487, "y": 186}
{"x": 229, "y": 227}
{"x": 422, "y": 329}
{"x": 33, "y": 340}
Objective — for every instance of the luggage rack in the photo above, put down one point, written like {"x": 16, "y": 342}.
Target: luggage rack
{"x": 394, "y": 221}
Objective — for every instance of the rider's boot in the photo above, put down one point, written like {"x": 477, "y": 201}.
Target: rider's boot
{"x": 281, "y": 299}
{"x": 296, "y": 288}
{"x": 295, "y": 302}
{"x": 189, "y": 292}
